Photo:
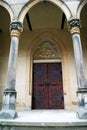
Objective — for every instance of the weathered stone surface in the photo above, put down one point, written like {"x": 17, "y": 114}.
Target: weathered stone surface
{"x": 45, "y": 118}
{"x": 82, "y": 113}
{"x": 82, "y": 98}
{"x": 9, "y": 100}
{"x": 81, "y": 80}
{"x": 8, "y": 114}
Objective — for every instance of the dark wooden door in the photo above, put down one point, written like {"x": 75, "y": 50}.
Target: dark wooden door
{"x": 47, "y": 86}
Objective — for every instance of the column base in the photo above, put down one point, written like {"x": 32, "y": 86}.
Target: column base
{"x": 82, "y": 113}
{"x": 8, "y": 105}
{"x": 82, "y": 103}
{"x": 8, "y": 114}
{"x": 9, "y": 100}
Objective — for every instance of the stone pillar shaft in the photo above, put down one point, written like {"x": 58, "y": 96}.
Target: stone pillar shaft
{"x": 81, "y": 80}
{"x": 9, "y": 98}
{"x": 74, "y": 26}
{"x": 12, "y": 63}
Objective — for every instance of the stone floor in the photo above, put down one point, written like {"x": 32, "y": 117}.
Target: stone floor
{"x": 45, "y": 118}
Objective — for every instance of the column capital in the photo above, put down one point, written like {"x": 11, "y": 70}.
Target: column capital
{"x": 16, "y": 28}
{"x": 74, "y": 26}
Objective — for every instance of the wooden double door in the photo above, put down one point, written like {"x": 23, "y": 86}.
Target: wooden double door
{"x": 47, "y": 86}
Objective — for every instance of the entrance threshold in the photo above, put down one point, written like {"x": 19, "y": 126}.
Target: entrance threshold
{"x": 45, "y": 118}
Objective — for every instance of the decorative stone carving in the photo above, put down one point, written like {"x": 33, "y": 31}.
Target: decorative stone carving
{"x": 74, "y": 26}
{"x": 74, "y": 30}
{"x": 46, "y": 50}
{"x": 74, "y": 23}
{"x": 15, "y": 33}
{"x": 16, "y": 28}
{"x": 16, "y": 25}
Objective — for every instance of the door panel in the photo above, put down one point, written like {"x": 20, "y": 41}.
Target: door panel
{"x": 56, "y": 89}
{"x": 40, "y": 92}
{"x": 47, "y": 86}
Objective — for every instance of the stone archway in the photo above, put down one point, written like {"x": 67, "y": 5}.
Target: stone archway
{"x": 29, "y": 69}
{"x": 59, "y": 4}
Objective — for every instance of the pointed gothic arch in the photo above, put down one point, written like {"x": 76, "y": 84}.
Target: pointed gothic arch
{"x": 29, "y": 65}
{"x": 59, "y": 4}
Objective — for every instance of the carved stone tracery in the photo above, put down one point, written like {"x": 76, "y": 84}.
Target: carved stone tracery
{"x": 46, "y": 50}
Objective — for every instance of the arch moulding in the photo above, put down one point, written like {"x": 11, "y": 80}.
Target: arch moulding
{"x": 29, "y": 69}
{"x": 58, "y": 3}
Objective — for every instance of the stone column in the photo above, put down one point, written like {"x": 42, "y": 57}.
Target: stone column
{"x": 74, "y": 27}
{"x": 9, "y": 98}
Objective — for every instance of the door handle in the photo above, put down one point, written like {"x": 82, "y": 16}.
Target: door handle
{"x": 47, "y": 84}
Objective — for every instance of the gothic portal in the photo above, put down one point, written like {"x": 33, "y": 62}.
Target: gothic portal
{"x": 47, "y": 76}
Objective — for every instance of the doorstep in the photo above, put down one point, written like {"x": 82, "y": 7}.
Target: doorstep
{"x": 45, "y": 118}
